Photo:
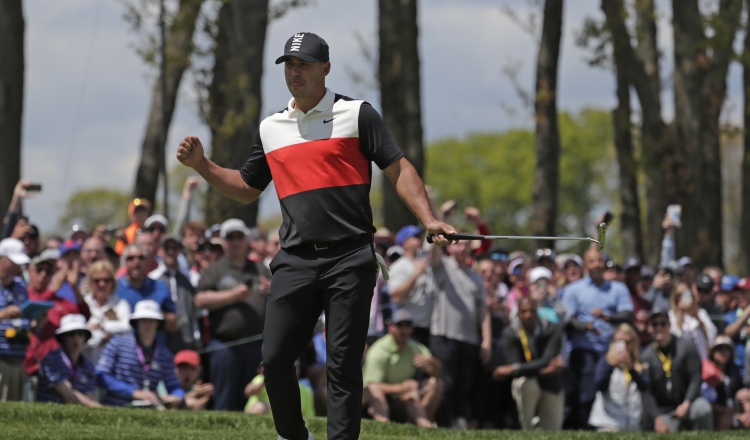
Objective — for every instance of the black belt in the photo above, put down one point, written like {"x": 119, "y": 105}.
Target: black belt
{"x": 335, "y": 243}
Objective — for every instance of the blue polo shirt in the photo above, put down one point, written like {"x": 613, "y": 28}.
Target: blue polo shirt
{"x": 56, "y": 368}
{"x": 582, "y": 296}
{"x": 730, "y": 318}
{"x": 151, "y": 289}
{"x": 120, "y": 371}
{"x": 13, "y": 346}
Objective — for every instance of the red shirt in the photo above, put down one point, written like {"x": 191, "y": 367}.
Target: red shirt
{"x": 43, "y": 341}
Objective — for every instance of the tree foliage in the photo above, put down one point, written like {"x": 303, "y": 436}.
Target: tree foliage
{"x": 92, "y": 207}
{"x": 494, "y": 172}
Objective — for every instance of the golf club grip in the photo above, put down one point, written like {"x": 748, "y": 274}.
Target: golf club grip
{"x": 430, "y": 237}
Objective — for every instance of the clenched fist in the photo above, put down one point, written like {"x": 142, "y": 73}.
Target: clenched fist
{"x": 190, "y": 152}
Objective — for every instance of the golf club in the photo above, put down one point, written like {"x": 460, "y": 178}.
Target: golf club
{"x": 599, "y": 242}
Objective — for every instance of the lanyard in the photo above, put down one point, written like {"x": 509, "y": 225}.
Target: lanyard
{"x": 145, "y": 366}
{"x": 628, "y": 377}
{"x": 666, "y": 361}
{"x": 72, "y": 370}
{"x": 524, "y": 343}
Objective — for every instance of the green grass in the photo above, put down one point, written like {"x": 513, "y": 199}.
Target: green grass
{"x": 51, "y": 421}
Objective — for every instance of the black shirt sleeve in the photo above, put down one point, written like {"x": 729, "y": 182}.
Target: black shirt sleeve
{"x": 256, "y": 172}
{"x": 375, "y": 141}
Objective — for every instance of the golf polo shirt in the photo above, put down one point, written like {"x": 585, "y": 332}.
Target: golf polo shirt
{"x": 384, "y": 363}
{"x": 320, "y": 164}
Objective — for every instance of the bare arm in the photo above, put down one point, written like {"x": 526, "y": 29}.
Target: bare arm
{"x": 74, "y": 396}
{"x": 216, "y": 299}
{"x": 227, "y": 181}
{"x": 411, "y": 190}
{"x": 735, "y": 327}
{"x": 171, "y": 323}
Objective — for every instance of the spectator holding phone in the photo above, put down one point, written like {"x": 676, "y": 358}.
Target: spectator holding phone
{"x": 688, "y": 320}
{"x": 621, "y": 382}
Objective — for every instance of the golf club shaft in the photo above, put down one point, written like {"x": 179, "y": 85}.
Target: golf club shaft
{"x": 507, "y": 237}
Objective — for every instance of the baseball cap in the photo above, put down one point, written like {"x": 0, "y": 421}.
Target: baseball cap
{"x": 704, "y": 282}
{"x": 498, "y": 253}
{"x": 562, "y": 260}
{"x": 729, "y": 282}
{"x": 156, "y": 218}
{"x": 545, "y": 253}
{"x": 514, "y": 268}
{"x": 658, "y": 311}
{"x": 631, "y": 263}
{"x": 169, "y": 237}
{"x": 686, "y": 261}
{"x": 50, "y": 255}
{"x": 406, "y": 232}
{"x": 647, "y": 271}
{"x": 743, "y": 283}
{"x": 394, "y": 250}
{"x": 232, "y": 225}
{"x": 399, "y": 316}
{"x": 538, "y": 273}
{"x": 306, "y": 46}
{"x": 722, "y": 340}
{"x": 189, "y": 357}
{"x": 14, "y": 250}
{"x": 69, "y": 246}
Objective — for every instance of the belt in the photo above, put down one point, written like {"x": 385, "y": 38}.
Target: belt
{"x": 335, "y": 243}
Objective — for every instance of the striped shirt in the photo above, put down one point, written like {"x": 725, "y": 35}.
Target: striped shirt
{"x": 56, "y": 368}
{"x": 121, "y": 370}
{"x": 320, "y": 162}
{"x": 13, "y": 332}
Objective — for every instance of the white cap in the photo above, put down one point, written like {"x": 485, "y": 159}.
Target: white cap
{"x": 15, "y": 250}
{"x": 538, "y": 273}
{"x": 232, "y": 225}
{"x": 50, "y": 255}
{"x": 147, "y": 309}
{"x": 156, "y": 218}
{"x": 71, "y": 323}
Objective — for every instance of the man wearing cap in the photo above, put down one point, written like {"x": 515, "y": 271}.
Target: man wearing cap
{"x": 157, "y": 225}
{"x": 674, "y": 375}
{"x": 139, "y": 210}
{"x": 14, "y": 328}
{"x": 704, "y": 286}
{"x": 133, "y": 364}
{"x": 392, "y": 391}
{"x": 231, "y": 290}
{"x": 318, "y": 151}
{"x": 65, "y": 375}
{"x": 187, "y": 368}
{"x": 411, "y": 284}
{"x": 596, "y": 307}
{"x": 45, "y": 280}
{"x": 182, "y": 292}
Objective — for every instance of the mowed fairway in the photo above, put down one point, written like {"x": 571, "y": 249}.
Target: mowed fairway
{"x": 49, "y": 421}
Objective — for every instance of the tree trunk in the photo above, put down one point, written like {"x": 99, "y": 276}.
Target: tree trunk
{"x": 235, "y": 98}
{"x": 700, "y": 89}
{"x": 744, "y": 253}
{"x": 398, "y": 71}
{"x": 179, "y": 47}
{"x": 11, "y": 97}
{"x": 546, "y": 173}
{"x": 630, "y": 219}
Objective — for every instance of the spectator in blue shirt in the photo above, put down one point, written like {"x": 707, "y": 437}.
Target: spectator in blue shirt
{"x": 596, "y": 307}
{"x": 136, "y": 286}
{"x": 132, "y": 365}
{"x": 737, "y": 319}
{"x": 14, "y": 329}
{"x": 65, "y": 375}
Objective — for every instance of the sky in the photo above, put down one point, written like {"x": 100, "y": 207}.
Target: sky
{"x": 87, "y": 93}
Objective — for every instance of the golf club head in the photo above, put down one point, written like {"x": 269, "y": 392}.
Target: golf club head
{"x": 602, "y": 235}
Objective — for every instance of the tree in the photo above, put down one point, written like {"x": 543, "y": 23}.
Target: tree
{"x": 235, "y": 97}
{"x": 94, "y": 207}
{"x": 400, "y": 89}
{"x": 546, "y": 172}
{"x": 745, "y": 197}
{"x": 179, "y": 47}
{"x": 498, "y": 174}
{"x": 12, "y": 28}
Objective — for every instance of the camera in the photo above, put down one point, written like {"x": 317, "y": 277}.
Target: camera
{"x": 35, "y": 187}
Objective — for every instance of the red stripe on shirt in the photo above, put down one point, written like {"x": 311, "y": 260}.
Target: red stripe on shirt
{"x": 318, "y": 164}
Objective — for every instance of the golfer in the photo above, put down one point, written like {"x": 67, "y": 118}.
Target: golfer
{"x": 318, "y": 152}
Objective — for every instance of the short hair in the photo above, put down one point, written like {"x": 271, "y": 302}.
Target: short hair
{"x": 198, "y": 228}
{"x": 131, "y": 247}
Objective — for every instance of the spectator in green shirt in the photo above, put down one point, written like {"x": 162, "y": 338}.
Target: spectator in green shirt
{"x": 392, "y": 365}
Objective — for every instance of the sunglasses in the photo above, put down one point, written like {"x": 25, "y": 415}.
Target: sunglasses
{"x": 157, "y": 228}
{"x": 102, "y": 280}
{"x": 47, "y": 270}
{"x": 658, "y": 324}
{"x": 172, "y": 248}
{"x": 135, "y": 257}
{"x": 404, "y": 324}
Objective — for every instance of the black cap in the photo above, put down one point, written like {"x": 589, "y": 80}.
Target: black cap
{"x": 658, "y": 311}
{"x": 704, "y": 282}
{"x": 306, "y": 46}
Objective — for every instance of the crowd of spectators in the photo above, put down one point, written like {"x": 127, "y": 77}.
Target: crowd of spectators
{"x": 470, "y": 336}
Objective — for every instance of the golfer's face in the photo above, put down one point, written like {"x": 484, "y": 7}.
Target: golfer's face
{"x": 303, "y": 79}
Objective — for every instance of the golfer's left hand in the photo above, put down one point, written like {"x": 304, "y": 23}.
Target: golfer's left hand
{"x": 439, "y": 230}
